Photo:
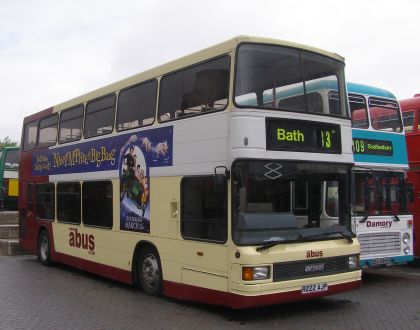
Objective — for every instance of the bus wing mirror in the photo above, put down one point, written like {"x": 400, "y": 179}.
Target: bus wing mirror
{"x": 226, "y": 171}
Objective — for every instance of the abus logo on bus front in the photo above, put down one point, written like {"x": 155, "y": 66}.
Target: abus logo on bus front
{"x": 314, "y": 254}
{"x": 82, "y": 241}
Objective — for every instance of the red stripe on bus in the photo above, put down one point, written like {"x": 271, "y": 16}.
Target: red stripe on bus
{"x": 113, "y": 273}
{"x": 208, "y": 296}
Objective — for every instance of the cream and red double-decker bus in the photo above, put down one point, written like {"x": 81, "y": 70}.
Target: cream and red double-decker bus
{"x": 185, "y": 181}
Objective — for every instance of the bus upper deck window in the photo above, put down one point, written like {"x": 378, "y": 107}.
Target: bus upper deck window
{"x": 385, "y": 115}
{"x": 30, "y": 135}
{"x": 71, "y": 123}
{"x": 288, "y": 79}
{"x": 358, "y": 108}
{"x": 100, "y": 116}
{"x": 136, "y": 106}
{"x": 196, "y": 90}
{"x": 47, "y": 131}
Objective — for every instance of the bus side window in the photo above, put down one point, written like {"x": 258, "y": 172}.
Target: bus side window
{"x": 196, "y": 90}
{"x": 136, "y": 106}
{"x": 408, "y": 120}
{"x": 30, "y": 135}
{"x": 204, "y": 208}
{"x": 68, "y": 202}
{"x": 45, "y": 201}
{"x": 410, "y": 193}
{"x": 358, "y": 108}
{"x": 71, "y": 123}
{"x": 30, "y": 197}
{"x": 47, "y": 135}
{"x": 97, "y": 203}
{"x": 99, "y": 119}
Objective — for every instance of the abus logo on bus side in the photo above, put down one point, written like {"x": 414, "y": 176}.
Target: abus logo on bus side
{"x": 82, "y": 241}
{"x": 314, "y": 254}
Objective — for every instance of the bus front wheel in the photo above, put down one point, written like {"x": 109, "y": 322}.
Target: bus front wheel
{"x": 150, "y": 271}
{"x": 44, "y": 255}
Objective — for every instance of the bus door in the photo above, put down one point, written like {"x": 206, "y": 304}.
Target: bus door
{"x": 204, "y": 223}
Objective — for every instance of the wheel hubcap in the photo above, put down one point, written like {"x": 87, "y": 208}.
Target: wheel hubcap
{"x": 150, "y": 271}
{"x": 44, "y": 248}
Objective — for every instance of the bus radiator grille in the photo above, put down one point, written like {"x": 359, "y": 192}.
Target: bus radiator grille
{"x": 379, "y": 243}
{"x": 309, "y": 268}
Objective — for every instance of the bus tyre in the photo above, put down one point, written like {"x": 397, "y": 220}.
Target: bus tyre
{"x": 44, "y": 255}
{"x": 150, "y": 271}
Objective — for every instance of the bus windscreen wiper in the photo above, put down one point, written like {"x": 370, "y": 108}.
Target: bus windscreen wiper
{"x": 344, "y": 234}
{"x": 302, "y": 238}
{"x": 272, "y": 243}
{"x": 364, "y": 218}
{"x": 396, "y": 218}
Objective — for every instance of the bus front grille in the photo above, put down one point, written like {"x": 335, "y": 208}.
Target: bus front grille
{"x": 309, "y": 268}
{"x": 379, "y": 243}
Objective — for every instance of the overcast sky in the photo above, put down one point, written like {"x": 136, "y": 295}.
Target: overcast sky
{"x": 51, "y": 51}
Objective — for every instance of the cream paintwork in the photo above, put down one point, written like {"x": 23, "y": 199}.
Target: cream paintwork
{"x": 284, "y": 253}
{"x": 291, "y": 285}
{"x": 199, "y": 145}
{"x": 178, "y": 255}
{"x": 205, "y": 280}
{"x": 116, "y": 248}
{"x": 214, "y": 51}
{"x": 251, "y": 124}
{"x": 111, "y": 248}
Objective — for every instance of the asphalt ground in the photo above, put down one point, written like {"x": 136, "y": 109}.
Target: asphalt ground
{"x": 33, "y": 296}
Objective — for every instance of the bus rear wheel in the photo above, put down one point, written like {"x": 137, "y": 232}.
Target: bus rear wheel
{"x": 44, "y": 252}
{"x": 150, "y": 271}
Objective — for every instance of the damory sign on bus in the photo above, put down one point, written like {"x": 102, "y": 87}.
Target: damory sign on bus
{"x": 131, "y": 154}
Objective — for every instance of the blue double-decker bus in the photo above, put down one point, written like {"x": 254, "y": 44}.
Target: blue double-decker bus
{"x": 380, "y": 216}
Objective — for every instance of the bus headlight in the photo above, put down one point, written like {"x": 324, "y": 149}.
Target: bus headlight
{"x": 255, "y": 273}
{"x": 407, "y": 249}
{"x": 354, "y": 262}
{"x": 406, "y": 238}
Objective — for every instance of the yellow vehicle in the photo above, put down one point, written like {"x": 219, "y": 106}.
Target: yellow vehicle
{"x": 9, "y": 188}
{"x": 201, "y": 179}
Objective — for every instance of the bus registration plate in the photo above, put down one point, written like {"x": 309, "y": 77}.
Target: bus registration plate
{"x": 380, "y": 261}
{"x": 315, "y": 288}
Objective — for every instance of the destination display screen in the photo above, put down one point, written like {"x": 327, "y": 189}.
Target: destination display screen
{"x": 372, "y": 147}
{"x": 302, "y": 136}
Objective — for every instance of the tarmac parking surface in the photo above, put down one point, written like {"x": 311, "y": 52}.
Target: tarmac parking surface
{"x": 33, "y": 296}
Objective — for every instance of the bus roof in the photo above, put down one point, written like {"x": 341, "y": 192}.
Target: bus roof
{"x": 369, "y": 90}
{"x": 412, "y": 103}
{"x": 180, "y": 63}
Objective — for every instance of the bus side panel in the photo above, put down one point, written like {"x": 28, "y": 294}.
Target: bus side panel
{"x": 28, "y": 237}
{"x": 95, "y": 268}
{"x": 194, "y": 293}
{"x": 414, "y": 178}
{"x": 183, "y": 260}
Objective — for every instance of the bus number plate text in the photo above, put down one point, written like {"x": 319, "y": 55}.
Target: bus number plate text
{"x": 315, "y": 288}
{"x": 380, "y": 261}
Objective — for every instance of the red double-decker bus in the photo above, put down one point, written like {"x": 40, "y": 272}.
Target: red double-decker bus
{"x": 411, "y": 109}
